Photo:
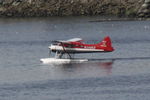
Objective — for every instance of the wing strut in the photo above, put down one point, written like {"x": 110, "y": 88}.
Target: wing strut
{"x": 65, "y": 50}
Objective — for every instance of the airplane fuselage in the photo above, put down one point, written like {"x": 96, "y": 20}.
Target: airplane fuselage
{"x": 78, "y": 49}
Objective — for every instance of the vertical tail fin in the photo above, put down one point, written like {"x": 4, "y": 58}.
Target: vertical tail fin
{"x": 107, "y": 44}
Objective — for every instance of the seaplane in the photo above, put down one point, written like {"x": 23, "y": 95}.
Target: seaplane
{"x": 65, "y": 50}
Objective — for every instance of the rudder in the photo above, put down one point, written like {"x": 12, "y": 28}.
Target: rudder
{"x": 107, "y": 44}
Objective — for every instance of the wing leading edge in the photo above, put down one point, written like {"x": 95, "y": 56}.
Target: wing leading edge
{"x": 70, "y": 40}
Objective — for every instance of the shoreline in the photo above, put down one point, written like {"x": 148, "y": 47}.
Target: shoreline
{"x": 47, "y": 8}
{"x": 94, "y": 18}
{"x": 120, "y": 19}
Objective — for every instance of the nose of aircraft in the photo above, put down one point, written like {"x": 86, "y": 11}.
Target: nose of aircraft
{"x": 52, "y": 47}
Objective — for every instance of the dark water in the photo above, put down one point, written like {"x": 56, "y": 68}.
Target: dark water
{"x": 121, "y": 75}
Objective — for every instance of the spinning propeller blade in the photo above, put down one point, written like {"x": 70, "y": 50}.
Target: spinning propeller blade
{"x": 49, "y": 53}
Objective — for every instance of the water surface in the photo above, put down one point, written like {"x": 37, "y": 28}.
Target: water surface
{"x": 120, "y": 75}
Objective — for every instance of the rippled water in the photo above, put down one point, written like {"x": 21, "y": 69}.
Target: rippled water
{"x": 120, "y": 75}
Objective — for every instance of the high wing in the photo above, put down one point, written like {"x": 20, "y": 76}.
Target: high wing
{"x": 70, "y": 40}
{"x": 75, "y": 40}
{"x": 67, "y": 43}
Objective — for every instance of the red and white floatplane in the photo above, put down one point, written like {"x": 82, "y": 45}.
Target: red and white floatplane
{"x": 65, "y": 50}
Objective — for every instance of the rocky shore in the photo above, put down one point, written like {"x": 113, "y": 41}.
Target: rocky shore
{"x": 144, "y": 11}
{"x": 30, "y": 8}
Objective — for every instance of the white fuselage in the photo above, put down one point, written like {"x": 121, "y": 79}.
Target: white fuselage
{"x": 55, "y": 48}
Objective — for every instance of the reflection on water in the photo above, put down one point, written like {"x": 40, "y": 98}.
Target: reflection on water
{"x": 79, "y": 70}
{"x": 91, "y": 66}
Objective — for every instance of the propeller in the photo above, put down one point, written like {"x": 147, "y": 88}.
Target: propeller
{"x": 49, "y": 53}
